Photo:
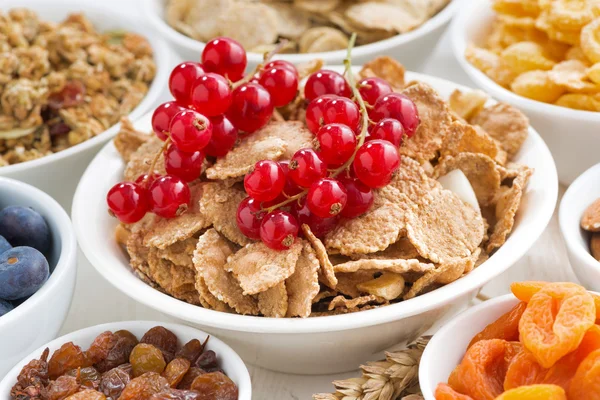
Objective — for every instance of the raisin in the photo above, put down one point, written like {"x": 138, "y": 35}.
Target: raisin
{"x": 88, "y": 377}
{"x": 71, "y": 95}
{"x": 175, "y": 394}
{"x": 193, "y": 373}
{"x": 69, "y": 356}
{"x": 63, "y": 387}
{"x": 101, "y": 346}
{"x": 32, "y": 379}
{"x": 87, "y": 394}
{"x": 146, "y": 358}
{"x": 176, "y": 370}
{"x": 114, "y": 381}
{"x": 191, "y": 350}
{"x": 163, "y": 339}
{"x": 144, "y": 386}
{"x": 207, "y": 361}
{"x": 119, "y": 353}
{"x": 215, "y": 386}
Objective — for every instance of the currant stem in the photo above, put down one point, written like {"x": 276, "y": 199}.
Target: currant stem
{"x": 156, "y": 157}
{"x": 259, "y": 67}
{"x": 287, "y": 201}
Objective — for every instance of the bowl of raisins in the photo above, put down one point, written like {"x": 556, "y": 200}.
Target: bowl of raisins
{"x": 131, "y": 360}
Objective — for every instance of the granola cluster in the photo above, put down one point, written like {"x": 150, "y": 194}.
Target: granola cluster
{"x": 62, "y": 84}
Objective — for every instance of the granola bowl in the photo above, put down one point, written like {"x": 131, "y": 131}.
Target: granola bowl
{"x": 57, "y": 173}
{"x": 323, "y": 344}
{"x": 411, "y": 48}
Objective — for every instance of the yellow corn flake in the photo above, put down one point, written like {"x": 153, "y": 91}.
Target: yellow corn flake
{"x": 572, "y": 75}
{"x": 481, "y": 58}
{"x": 526, "y": 56}
{"x": 576, "y": 101}
{"x": 593, "y": 73}
{"x": 570, "y": 14}
{"x": 575, "y": 53}
{"x": 517, "y": 7}
{"x": 590, "y": 40}
{"x": 467, "y": 104}
{"x": 537, "y": 85}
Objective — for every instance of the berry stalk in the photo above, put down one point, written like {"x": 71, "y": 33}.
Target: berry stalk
{"x": 267, "y": 57}
{"x": 156, "y": 157}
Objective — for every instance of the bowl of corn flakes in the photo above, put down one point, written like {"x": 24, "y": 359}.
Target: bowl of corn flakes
{"x": 543, "y": 58}
{"x": 406, "y": 30}
{"x": 69, "y": 73}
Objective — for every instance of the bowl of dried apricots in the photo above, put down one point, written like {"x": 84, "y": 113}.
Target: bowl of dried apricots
{"x": 544, "y": 58}
{"x": 540, "y": 342}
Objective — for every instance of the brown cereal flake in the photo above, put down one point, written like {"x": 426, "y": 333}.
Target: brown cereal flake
{"x": 219, "y": 204}
{"x": 389, "y": 17}
{"x": 303, "y": 285}
{"x": 398, "y": 266}
{"x": 504, "y": 123}
{"x": 180, "y": 253}
{"x": 410, "y": 180}
{"x": 456, "y": 268}
{"x": 128, "y": 140}
{"x": 326, "y": 273}
{"x": 273, "y": 302}
{"x": 463, "y": 138}
{"x": 590, "y": 220}
{"x": 183, "y": 286}
{"x": 403, "y": 249}
{"x": 140, "y": 160}
{"x": 347, "y": 282}
{"x": 386, "y": 68}
{"x": 343, "y": 302}
{"x": 239, "y": 23}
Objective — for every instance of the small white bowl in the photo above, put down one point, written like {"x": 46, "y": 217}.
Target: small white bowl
{"x": 447, "y": 347}
{"x": 231, "y": 363}
{"x": 571, "y": 135}
{"x": 58, "y": 173}
{"x": 324, "y": 344}
{"x": 39, "y": 318}
{"x": 583, "y": 192}
{"x": 411, "y": 48}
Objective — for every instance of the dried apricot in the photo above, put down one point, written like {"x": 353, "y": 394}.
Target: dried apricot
{"x": 445, "y": 392}
{"x": 506, "y": 327}
{"x": 535, "y": 392}
{"x": 555, "y": 321}
{"x": 586, "y": 382}
{"x": 69, "y": 356}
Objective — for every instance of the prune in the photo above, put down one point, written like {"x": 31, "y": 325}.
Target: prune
{"x": 176, "y": 370}
{"x": 101, "y": 346}
{"x": 69, "y": 356}
{"x": 142, "y": 387}
{"x": 146, "y": 358}
{"x": 22, "y": 226}
{"x": 4, "y": 245}
{"x": 191, "y": 350}
{"x": 215, "y": 386}
{"x": 163, "y": 339}
{"x": 87, "y": 394}
{"x": 23, "y": 270}
{"x": 193, "y": 373}
{"x": 119, "y": 353}
{"x": 114, "y": 381}
{"x": 175, "y": 394}
{"x": 32, "y": 379}
{"x": 62, "y": 387}
{"x": 88, "y": 377}
{"x": 208, "y": 361}
{"x": 5, "y": 307}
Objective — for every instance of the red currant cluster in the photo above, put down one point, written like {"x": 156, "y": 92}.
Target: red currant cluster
{"x": 213, "y": 101}
{"x": 359, "y": 129}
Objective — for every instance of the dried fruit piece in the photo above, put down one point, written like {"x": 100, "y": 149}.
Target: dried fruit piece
{"x": 215, "y": 385}
{"x": 176, "y": 370}
{"x": 506, "y": 327}
{"x": 191, "y": 350}
{"x": 146, "y": 358}
{"x": 69, "y": 356}
{"x": 586, "y": 382}
{"x": 62, "y": 387}
{"x": 114, "y": 381}
{"x": 595, "y": 246}
{"x": 534, "y": 392}
{"x": 33, "y": 377}
{"x": 144, "y": 386}
{"x": 192, "y": 374}
{"x": 119, "y": 353}
{"x": 176, "y": 394}
{"x": 445, "y": 392}
{"x": 590, "y": 220}
{"x": 388, "y": 286}
{"x": 101, "y": 346}
{"x": 523, "y": 370}
{"x": 87, "y": 394}
{"x": 88, "y": 376}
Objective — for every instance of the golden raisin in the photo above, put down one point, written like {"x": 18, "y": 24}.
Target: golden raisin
{"x": 215, "y": 386}
{"x": 146, "y": 358}
{"x": 68, "y": 357}
{"x": 176, "y": 370}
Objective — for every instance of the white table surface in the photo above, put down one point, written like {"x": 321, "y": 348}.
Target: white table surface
{"x": 96, "y": 301}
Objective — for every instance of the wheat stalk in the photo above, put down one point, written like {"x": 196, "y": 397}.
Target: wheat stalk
{"x": 395, "y": 378}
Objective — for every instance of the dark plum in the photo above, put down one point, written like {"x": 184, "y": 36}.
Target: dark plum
{"x": 4, "y": 245}
{"x": 5, "y": 307}
{"x": 23, "y": 270}
{"x": 22, "y": 226}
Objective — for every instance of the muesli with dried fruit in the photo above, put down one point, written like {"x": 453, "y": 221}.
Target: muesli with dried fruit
{"x": 590, "y": 222}
{"x": 64, "y": 83}
{"x": 262, "y": 199}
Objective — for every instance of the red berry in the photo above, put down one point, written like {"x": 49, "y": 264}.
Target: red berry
{"x": 400, "y": 107}
{"x": 373, "y": 88}
{"x": 316, "y": 110}
{"x": 326, "y": 82}
{"x": 169, "y": 196}
{"x": 249, "y": 216}
{"x": 337, "y": 143}
{"x": 190, "y": 131}
{"x": 290, "y": 188}
{"x": 375, "y": 163}
{"x": 388, "y": 129}
{"x": 282, "y": 64}
{"x": 224, "y": 136}
{"x": 146, "y": 180}
{"x": 251, "y": 108}
{"x": 278, "y": 230}
{"x": 187, "y": 166}
{"x": 306, "y": 167}
{"x": 161, "y": 119}
{"x": 281, "y": 83}
{"x": 266, "y": 181}
{"x": 318, "y": 226}
{"x": 360, "y": 198}
{"x": 342, "y": 111}
{"x": 181, "y": 80}
{"x": 211, "y": 94}
{"x": 326, "y": 198}
{"x": 226, "y": 57}
{"x": 128, "y": 202}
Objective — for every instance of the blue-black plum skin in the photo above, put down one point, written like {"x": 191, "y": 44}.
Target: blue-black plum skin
{"x": 23, "y": 270}
{"x": 23, "y": 226}
{"x": 5, "y": 307}
{"x": 4, "y": 245}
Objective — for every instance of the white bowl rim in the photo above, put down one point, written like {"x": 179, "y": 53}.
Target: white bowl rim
{"x": 381, "y": 315}
{"x": 442, "y": 17}
{"x": 224, "y": 350}
{"x": 68, "y": 251}
{"x": 162, "y": 55}
{"x": 458, "y": 35}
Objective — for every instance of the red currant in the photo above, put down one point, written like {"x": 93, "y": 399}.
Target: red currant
{"x": 251, "y": 108}
{"x": 337, "y": 143}
{"x": 318, "y": 226}
{"x": 281, "y": 83}
{"x": 128, "y": 202}
{"x": 388, "y": 129}
{"x": 146, "y": 180}
{"x": 375, "y": 163}
{"x": 224, "y": 136}
{"x": 226, "y": 57}
{"x": 306, "y": 167}
{"x": 266, "y": 181}
{"x": 290, "y": 188}
{"x": 400, "y": 107}
{"x": 282, "y": 64}
{"x": 211, "y": 94}
{"x": 161, "y": 119}
{"x": 169, "y": 196}
{"x": 326, "y": 198}
{"x": 187, "y": 166}
{"x": 249, "y": 216}
{"x": 343, "y": 111}
{"x": 373, "y": 88}
{"x": 278, "y": 230}
{"x": 316, "y": 110}
{"x": 190, "y": 131}
{"x": 181, "y": 80}
{"x": 360, "y": 198}
{"x": 326, "y": 82}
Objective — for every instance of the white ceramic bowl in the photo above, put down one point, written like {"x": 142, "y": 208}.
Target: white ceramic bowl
{"x": 58, "y": 173}
{"x": 583, "y": 192}
{"x": 39, "y": 318}
{"x": 313, "y": 345}
{"x": 231, "y": 363}
{"x": 412, "y": 48}
{"x": 447, "y": 347}
{"x": 572, "y": 135}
